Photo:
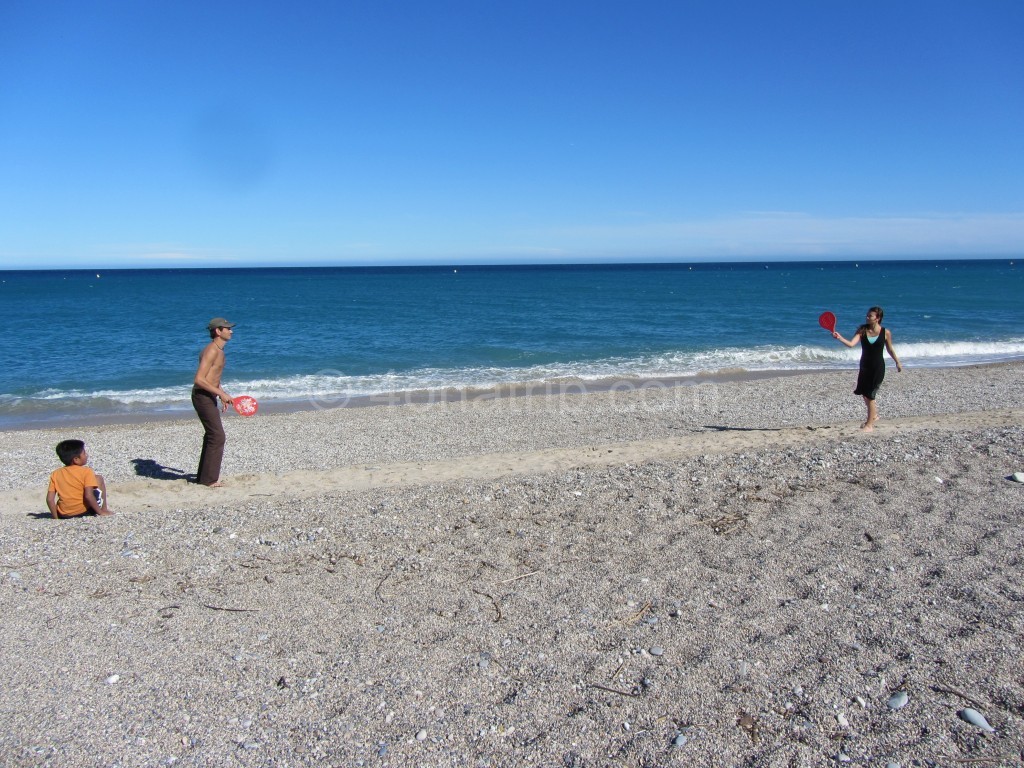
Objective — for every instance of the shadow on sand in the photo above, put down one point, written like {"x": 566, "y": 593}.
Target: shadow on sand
{"x": 152, "y": 469}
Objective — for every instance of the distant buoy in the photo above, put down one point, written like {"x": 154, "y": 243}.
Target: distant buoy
{"x": 97, "y": 275}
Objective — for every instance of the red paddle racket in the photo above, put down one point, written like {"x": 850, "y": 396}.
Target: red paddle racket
{"x": 246, "y": 406}
{"x": 827, "y": 321}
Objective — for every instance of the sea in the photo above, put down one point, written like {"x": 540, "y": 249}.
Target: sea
{"x": 82, "y": 345}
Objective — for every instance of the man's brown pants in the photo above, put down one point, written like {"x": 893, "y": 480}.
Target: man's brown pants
{"x": 214, "y": 438}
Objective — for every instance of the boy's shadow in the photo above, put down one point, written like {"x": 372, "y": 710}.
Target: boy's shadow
{"x": 151, "y": 469}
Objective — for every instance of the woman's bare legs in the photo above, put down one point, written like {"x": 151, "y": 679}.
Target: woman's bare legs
{"x": 869, "y": 425}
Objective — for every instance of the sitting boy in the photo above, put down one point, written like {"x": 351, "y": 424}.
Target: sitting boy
{"x": 74, "y": 488}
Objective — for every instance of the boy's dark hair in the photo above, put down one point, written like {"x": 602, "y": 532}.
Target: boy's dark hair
{"x": 67, "y": 450}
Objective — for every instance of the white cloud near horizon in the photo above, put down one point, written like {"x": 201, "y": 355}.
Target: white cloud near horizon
{"x": 784, "y": 234}
{"x": 753, "y": 235}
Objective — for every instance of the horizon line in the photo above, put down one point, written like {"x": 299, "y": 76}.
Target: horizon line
{"x": 583, "y": 262}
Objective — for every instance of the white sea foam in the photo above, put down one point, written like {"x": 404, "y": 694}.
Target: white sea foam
{"x": 331, "y": 387}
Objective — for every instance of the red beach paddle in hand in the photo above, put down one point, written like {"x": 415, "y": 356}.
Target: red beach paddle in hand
{"x": 827, "y": 321}
{"x": 246, "y": 406}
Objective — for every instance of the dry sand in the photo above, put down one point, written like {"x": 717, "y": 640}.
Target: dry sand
{"x": 730, "y": 574}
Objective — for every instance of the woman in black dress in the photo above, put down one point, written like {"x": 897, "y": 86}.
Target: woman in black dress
{"x": 873, "y": 340}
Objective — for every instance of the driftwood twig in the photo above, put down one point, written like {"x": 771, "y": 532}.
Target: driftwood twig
{"x": 961, "y": 694}
{"x": 999, "y": 759}
{"x": 227, "y": 608}
{"x": 639, "y": 614}
{"x": 631, "y": 694}
{"x": 616, "y": 672}
{"x": 497, "y": 608}
{"x": 520, "y": 576}
{"x": 376, "y": 590}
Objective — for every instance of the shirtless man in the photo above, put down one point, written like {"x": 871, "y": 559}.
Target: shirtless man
{"x": 205, "y": 392}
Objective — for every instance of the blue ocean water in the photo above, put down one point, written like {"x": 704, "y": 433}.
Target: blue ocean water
{"x": 126, "y": 341}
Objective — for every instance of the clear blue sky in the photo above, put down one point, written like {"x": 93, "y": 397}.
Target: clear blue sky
{"x": 187, "y": 133}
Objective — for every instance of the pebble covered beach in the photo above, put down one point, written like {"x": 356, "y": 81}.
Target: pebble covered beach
{"x": 724, "y": 574}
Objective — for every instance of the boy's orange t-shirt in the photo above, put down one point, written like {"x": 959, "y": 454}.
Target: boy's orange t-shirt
{"x": 70, "y": 483}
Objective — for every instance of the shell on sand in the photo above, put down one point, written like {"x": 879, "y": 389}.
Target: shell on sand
{"x": 974, "y": 717}
{"x": 898, "y": 700}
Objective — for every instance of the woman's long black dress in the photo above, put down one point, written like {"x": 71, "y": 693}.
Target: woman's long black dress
{"x": 872, "y": 365}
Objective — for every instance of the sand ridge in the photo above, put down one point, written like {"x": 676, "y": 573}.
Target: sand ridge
{"x": 175, "y": 494}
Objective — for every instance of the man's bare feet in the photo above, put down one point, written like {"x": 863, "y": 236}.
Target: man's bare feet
{"x": 218, "y": 484}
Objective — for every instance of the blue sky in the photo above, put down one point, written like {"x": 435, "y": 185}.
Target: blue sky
{"x": 188, "y": 133}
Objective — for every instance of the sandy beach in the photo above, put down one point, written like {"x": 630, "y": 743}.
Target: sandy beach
{"x": 714, "y": 575}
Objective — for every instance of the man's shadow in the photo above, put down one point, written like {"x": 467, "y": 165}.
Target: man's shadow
{"x": 151, "y": 469}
